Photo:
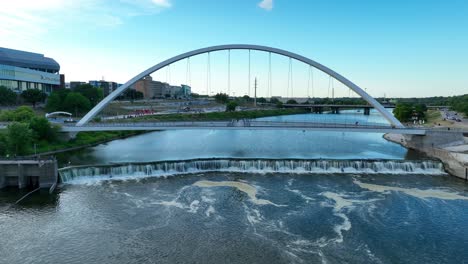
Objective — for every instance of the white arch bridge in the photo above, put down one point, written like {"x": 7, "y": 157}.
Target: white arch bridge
{"x": 394, "y": 124}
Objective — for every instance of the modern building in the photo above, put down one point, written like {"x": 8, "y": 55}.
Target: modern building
{"x": 21, "y": 70}
{"x": 107, "y": 87}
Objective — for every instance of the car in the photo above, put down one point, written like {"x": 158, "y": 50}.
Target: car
{"x": 69, "y": 120}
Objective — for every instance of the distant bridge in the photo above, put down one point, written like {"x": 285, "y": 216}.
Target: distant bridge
{"x": 244, "y": 125}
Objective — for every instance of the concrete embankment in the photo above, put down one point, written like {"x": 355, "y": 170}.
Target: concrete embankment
{"x": 439, "y": 145}
{"x": 29, "y": 173}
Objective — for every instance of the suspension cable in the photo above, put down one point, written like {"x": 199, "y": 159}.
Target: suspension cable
{"x": 308, "y": 83}
{"x": 289, "y": 78}
{"x": 229, "y": 72}
{"x": 208, "y": 75}
{"x": 270, "y": 84}
{"x": 312, "y": 80}
{"x": 333, "y": 89}
{"x": 248, "y": 86}
{"x": 188, "y": 77}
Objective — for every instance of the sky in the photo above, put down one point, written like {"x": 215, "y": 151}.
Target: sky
{"x": 395, "y": 48}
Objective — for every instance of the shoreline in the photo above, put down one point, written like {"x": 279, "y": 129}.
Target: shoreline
{"x": 48, "y": 153}
{"x": 455, "y": 163}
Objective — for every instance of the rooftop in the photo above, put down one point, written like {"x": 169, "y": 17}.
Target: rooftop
{"x": 26, "y": 59}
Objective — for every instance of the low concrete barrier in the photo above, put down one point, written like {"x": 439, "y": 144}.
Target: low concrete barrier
{"x": 22, "y": 173}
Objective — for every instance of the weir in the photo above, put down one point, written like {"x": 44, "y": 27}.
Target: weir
{"x": 294, "y": 166}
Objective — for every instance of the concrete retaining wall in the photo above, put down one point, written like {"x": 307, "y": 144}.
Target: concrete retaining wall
{"x": 22, "y": 173}
{"x": 432, "y": 144}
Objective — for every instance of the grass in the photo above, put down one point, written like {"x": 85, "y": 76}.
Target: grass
{"x": 215, "y": 116}
{"x": 82, "y": 139}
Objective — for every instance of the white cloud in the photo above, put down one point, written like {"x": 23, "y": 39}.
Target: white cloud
{"x": 266, "y": 4}
{"x": 163, "y": 3}
{"x": 27, "y": 20}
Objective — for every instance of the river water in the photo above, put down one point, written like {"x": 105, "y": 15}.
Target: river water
{"x": 243, "y": 197}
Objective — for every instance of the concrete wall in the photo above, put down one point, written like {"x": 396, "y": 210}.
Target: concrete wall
{"x": 434, "y": 139}
{"x": 17, "y": 172}
{"x": 433, "y": 144}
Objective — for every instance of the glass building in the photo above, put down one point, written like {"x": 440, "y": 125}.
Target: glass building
{"x": 21, "y": 70}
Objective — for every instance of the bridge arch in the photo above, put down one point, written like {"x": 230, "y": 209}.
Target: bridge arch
{"x": 387, "y": 115}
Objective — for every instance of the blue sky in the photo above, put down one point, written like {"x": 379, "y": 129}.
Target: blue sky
{"x": 396, "y": 48}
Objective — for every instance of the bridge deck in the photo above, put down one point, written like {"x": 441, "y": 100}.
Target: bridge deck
{"x": 244, "y": 125}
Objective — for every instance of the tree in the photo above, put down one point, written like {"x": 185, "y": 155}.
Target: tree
{"x": 76, "y": 103}
{"x": 3, "y": 144}
{"x": 54, "y": 102}
{"x": 131, "y": 94}
{"x": 33, "y": 96}
{"x": 19, "y": 137}
{"x": 261, "y": 100}
{"x": 231, "y": 106}
{"x": 7, "y": 96}
{"x": 221, "y": 98}
{"x": 274, "y": 100}
{"x": 42, "y": 129}
{"x": 93, "y": 94}
{"x": 21, "y": 114}
{"x": 291, "y": 101}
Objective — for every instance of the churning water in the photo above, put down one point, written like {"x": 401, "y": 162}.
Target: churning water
{"x": 242, "y": 197}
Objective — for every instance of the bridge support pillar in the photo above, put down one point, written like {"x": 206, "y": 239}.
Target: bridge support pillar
{"x": 367, "y": 111}
{"x": 335, "y": 110}
{"x": 317, "y": 110}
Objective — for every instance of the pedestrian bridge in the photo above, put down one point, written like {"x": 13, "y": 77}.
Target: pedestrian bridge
{"x": 244, "y": 125}
{"x": 311, "y": 63}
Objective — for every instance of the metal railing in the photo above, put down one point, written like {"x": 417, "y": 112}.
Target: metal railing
{"x": 247, "y": 123}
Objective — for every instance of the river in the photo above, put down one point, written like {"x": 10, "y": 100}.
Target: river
{"x": 243, "y": 197}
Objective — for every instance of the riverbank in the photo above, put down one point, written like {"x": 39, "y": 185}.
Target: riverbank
{"x": 81, "y": 141}
{"x": 455, "y": 162}
{"x": 213, "y": 116}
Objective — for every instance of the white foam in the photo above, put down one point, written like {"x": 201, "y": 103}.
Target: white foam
{"x": 194, "y": 206}
{"x": 210, "y": 211}
{"x": 443, "y": 194}
{"x": 250, "y": 190}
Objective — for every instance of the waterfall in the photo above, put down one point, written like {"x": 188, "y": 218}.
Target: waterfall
{"x": 295, "y": 166}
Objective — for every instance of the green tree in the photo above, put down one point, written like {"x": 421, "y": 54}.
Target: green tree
{"x": 23, "y": 114}
{"x": 54, "y": 103}
{"x": 42, "y": 129}
{"x": 3, "y": 144}
{"x": 274, "y": 100}
{"x": 261, "y": 100}
{"x": 33, "y": 96}
{"x": 221, "y": 98}
{"x": 291, "y": 101}
{"x": 19, "y": 137}
{"x": 93, "y": 94}
{"x": 231, "y": 106}
{"x": 76, "y": 103}
{"x": 7, "y": 96}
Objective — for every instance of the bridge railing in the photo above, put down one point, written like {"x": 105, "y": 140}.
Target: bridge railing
{"x": 242, "y": 123}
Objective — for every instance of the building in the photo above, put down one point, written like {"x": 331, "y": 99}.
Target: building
{"x": 147, "y": 86}
{"x": 107, "y": 87}
{"x": 21, "y": 70}
{"x": 155, "y": 89}
{"x": 73, "y": 85}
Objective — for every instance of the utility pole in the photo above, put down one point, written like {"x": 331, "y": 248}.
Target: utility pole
{"x": 255, "y": 98}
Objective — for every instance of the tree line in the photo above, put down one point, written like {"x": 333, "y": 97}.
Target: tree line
{"x": 25, "y": 130}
